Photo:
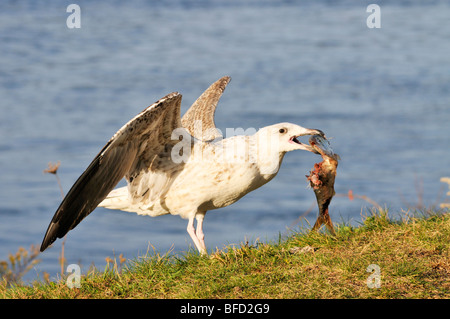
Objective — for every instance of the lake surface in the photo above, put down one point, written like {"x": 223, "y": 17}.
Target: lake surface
{"x": 383, "y": 95}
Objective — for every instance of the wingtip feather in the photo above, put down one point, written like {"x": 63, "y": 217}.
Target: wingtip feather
{"x": 50, "y": 236}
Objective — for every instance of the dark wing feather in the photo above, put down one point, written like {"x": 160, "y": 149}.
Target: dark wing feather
{"x": 150, "y": 129}
{"x": 203, "y": 110}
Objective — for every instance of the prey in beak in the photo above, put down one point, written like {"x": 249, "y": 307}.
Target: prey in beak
{"x": 321, "y": 179}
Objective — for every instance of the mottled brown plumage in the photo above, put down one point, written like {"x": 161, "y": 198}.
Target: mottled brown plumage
{"x": 199, "y": 119}
{"x": 161, "y": 180}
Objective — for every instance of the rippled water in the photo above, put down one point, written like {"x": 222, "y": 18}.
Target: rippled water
{"x": 382, "y": 94}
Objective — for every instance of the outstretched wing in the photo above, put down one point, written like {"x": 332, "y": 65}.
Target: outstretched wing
{"x": 143, "y": 137}
{"x": 199, "y": 118}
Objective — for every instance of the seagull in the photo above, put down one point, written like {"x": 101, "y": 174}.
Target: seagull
{"x": 179, "y": 166}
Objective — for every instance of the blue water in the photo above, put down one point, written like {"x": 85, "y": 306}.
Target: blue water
{"x": 383, "y": 95}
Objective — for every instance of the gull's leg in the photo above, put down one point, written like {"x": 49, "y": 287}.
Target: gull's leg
{"x": 191, "y": 232}
{"x": 200, "y": 235}
{"x": 199, "y": 243}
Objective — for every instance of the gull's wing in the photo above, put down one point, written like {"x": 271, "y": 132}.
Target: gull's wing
{"x": 126, "y": 154}
{"x": 203, "y": 110}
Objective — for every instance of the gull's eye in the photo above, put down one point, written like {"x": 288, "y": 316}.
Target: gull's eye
{"x": 283, "y": 130}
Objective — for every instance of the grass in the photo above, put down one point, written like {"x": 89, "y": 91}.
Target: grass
{"x": 413, "y": 256}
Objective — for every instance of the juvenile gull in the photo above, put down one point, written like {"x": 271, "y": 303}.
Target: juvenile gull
{"x": 173, "y": 167}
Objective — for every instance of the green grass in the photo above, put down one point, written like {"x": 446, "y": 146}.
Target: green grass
{"x": 412, "y": 255}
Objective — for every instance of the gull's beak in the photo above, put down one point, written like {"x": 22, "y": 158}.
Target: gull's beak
{"x": 315, "y": 132}
{"x": 307, "y": 131}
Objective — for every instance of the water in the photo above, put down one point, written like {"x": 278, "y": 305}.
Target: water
{"x": 382, "y": 94}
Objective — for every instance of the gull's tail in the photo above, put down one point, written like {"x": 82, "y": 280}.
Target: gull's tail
{"x": 117, "y": 199}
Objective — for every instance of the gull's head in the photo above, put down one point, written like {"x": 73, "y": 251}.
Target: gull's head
{"x": 285, "y": 136}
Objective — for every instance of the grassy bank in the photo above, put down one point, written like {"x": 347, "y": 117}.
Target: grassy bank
{"x": 411, "y": 257}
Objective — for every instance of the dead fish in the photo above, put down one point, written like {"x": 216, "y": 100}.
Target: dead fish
{"x": 321, "y": 179}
